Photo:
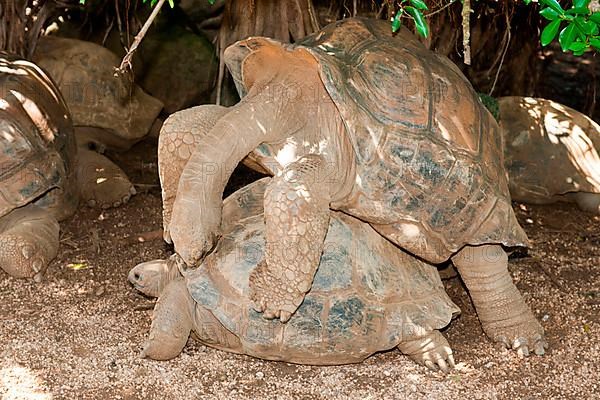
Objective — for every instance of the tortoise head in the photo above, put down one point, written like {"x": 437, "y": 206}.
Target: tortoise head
{"x": 151, "y": 277}
{"x": 260, "y": 61}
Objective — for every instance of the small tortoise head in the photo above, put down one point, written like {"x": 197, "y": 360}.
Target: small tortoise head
{"x": 152, "y": 277}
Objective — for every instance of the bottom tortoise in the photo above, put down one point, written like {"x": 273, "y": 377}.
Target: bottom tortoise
{"x": 360, "y": 301}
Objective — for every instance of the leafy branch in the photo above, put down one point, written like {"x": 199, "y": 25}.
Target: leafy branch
{"x": 580, "y": 32}
{"x": 415, "y": 12}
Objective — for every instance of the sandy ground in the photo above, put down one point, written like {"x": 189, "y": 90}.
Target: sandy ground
{"x": 77, "y": 335}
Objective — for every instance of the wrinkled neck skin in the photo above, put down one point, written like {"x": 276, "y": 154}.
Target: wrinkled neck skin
{"x": 307, "y": 120}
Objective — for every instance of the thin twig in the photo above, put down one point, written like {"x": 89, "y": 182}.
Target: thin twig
{"x": 502, "y": 59}
{"x": 466, "y": 25}
{"x": 126, "y": 62}
{"x": 110, "y": 26}
{"x": 440, "y": 9}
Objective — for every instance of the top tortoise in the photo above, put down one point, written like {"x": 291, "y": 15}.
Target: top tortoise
{"x": 353, "y": 119}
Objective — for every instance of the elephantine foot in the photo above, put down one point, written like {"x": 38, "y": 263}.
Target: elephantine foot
{"x": 28, "y": 243}
{"x": 102, "y": 183}
{"x": 524, "y": 334}
{"x": 504, "y": 315}
{"x": 432, "y": 351}
{"x": 277, "y": 297}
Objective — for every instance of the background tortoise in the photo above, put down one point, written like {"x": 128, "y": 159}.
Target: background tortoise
{"x": 360, "y": 301}
{"x": 355, "y": 119}
{"x": 37, "y": 167}
{"x": 551, "y": 152}
{"x": 41, "y": 175}
{"x": 109, "y": 112}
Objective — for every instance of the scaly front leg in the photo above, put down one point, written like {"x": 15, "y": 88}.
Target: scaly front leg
{"x": 297, "y": 219}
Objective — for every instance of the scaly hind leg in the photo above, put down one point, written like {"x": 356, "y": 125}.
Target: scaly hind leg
{"x": 101, "y": 182}
{"x": 432, "y": 351}
{"x": 178, "y": 139}
{"x": 29, "y": 238}
{"x": 172, "y": 322}
{"x": 503, "y": 313}
{"x": 297, "y": 218}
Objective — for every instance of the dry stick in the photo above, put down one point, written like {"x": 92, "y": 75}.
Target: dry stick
{"x": 440, "y": 9}
{"x": 126, "y": 62}
{"x": 466, "y": 25}
{"x": 502, "y": 59}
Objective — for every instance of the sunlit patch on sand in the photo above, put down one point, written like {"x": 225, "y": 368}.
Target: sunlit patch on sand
{"x": 21, "y": 383}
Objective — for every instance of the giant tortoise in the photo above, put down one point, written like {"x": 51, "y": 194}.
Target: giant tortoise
{"x": 109, "y": 111}
{"x": 367, "y": 296}
{"x": 355, "y": 119}
{"x": 42, "y": 174}
{"x": 551, "y": 152}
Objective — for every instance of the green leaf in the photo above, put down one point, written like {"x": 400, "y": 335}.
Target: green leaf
{"x": 211, "y": 2}
{"x": 549, "y": 14}
{"x": 595, "y": 17}
{"x": 82, "y": 2}
{"x": 578, "y": 46}
{"x": 586, "y": 27}
{"x": 578, "y": 10}
{"x": 527, "y": 2}
{"x": 553, "y": 4}
{"x": 595, "y": 43}
{"x": 153, "y": 3}
{"x": 420, "y": 23}
{"x": 549, "y": 32}
{"x": 419, "y": 4}
{"x": 581, "y": 3}
{"x": 397, "y": 22}
{"x": 172, "y": 3}
{"x": 567, "y": 35}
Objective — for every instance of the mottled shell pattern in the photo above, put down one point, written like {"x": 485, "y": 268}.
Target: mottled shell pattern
{"x": 37, "y": 146}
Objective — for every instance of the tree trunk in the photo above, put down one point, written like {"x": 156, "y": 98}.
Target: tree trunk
{"x": 284, "y": 20}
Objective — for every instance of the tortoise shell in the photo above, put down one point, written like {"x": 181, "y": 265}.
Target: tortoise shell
{"x": 429, "y": 155}
{"x": 37, "y": 146}
{"x": 85, "y": 74}
{"x": 551, "y": 149}
{"x": 360, "y": 301}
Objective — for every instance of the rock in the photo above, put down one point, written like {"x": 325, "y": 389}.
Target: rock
{"x": 178, "y": 67}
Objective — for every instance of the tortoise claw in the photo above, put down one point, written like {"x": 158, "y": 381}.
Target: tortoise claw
{"x": 284, "y": 316}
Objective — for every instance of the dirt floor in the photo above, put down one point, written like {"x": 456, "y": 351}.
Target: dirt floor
{"x": 77, "y": 335}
